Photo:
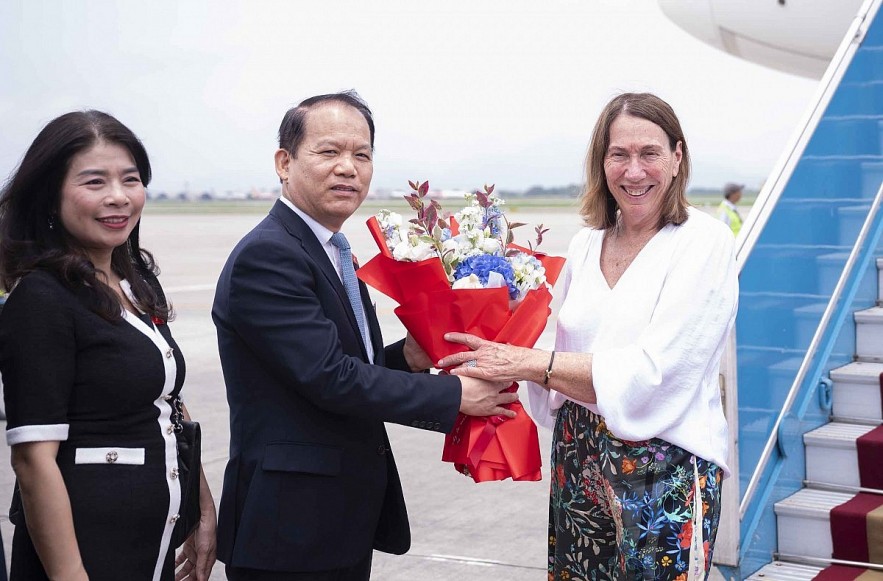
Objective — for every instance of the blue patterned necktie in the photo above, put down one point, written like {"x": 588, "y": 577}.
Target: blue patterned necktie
{"x": 350, "y": 283}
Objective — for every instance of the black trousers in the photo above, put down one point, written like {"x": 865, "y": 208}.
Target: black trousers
{"x": 361, "y": 571}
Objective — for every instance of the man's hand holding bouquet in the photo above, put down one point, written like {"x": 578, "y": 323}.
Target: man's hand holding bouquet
{"x": 464, "y": 274}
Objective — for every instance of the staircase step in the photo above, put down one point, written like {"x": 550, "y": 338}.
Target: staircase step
{"x": 830, "y": 267}
{"x": 847, "y": 135}
{"x": 857, "y": 390}
{"x": 804, "y": 522}
{"x": 831, "y": 455}
{"x": 869, "y": 334}
{"x": 851, "y": 219}
{"x": 781, "y": 571}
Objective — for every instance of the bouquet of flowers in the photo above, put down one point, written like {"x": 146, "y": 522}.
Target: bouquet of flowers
{"x": 465, "y": 274}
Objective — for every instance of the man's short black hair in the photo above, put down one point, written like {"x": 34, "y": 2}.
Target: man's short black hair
{"x": 293, "y": 127}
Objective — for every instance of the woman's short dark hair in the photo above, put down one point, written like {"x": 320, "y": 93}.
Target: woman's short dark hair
{"x": 293, "y": 126}
{"x": 33, "y": 237}
{"x": 599, "y": 208}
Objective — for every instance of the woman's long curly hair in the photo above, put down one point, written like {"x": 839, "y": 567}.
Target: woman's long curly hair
{"x": 32, "y": 236}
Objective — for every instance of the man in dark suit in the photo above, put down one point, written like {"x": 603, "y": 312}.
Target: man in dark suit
{"x": 311, "y": 487}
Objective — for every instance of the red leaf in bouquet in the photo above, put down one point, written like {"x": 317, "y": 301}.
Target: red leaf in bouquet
{"x": 413, "y": 201}
{"x": 540, "y": 231}
{"x": 430, "y": 218}
{"x": 423, "y": 188}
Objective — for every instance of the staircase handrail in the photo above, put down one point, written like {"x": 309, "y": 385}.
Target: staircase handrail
{"x": 772, "y": 190}
{"x": 831, "y": 307}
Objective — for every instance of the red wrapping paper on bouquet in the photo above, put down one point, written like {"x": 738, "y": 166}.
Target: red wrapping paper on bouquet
{"x": 485, "y": 448}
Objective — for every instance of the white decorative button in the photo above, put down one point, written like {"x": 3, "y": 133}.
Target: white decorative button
{"x": 111, "y": 456}
{"x": 170, "y": 429}
{"x": 167, "y": 397}
{"x": 174, "y": 519}
{"x": 169, "y": 353}
{"x": 174, "y": 473}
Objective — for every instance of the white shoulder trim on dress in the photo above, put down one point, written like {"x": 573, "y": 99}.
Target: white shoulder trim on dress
{"x": 38, "y": 433}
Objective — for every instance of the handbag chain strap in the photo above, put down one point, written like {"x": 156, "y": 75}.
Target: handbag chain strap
{"x": 177, "y": 415}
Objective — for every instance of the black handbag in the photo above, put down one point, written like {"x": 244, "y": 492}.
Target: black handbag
{"x": 189, "y": 438}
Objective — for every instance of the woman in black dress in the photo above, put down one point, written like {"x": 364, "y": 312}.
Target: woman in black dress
{"x": 91, "y": 373}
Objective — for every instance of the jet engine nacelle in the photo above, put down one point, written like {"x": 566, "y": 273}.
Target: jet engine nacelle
{"x": 795, "y": 36}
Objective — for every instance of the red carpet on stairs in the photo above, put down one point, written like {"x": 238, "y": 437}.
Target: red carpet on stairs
{"x": 857, "y": 529}
{"x": 870, "y": 458}
{"x": 841, "y": 573}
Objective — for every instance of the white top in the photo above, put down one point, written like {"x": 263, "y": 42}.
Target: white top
{"x": 657, "y": 337}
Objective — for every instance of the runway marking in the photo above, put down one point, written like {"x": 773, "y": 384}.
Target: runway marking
{"x": 473, "y": 561}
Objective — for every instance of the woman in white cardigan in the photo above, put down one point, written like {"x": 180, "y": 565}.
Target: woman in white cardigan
{"x": 631, "y": 390}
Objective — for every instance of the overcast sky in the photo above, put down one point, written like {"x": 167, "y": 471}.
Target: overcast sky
{"x": 464, "y": 92}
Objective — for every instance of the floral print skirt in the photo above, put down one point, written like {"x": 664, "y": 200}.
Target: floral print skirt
{"x": 627, "y": 510}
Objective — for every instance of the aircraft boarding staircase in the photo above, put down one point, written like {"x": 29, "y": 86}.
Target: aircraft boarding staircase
{"x": 809, "y": 340}
{"x": 804, "y": 533}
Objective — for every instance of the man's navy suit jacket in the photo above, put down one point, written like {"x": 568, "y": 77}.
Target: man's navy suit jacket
{"x": 311, "y": 482}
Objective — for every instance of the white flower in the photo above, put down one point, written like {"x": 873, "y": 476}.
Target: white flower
{"x": 471, "y": 281}
{"x": 388, "y": 218}
{"x": 470, "y": 218}
{"x": 413, "y": 249}
{"x": 490, "y": 246}
{"x": 391, "y": 225}
{"x": 529, "y": 272}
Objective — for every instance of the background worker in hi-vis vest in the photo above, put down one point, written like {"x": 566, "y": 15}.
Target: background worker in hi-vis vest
{"x": 727, "y": 211}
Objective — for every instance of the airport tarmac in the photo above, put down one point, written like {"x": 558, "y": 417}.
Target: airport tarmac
{"x": 460, "y": 530}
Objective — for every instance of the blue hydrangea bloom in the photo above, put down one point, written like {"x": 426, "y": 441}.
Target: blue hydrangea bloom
{"x": 481, "y": 264}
